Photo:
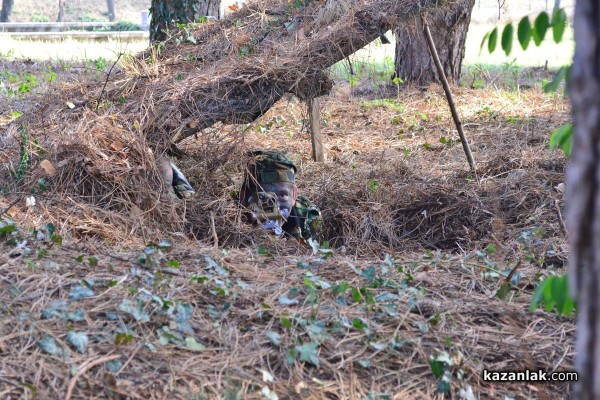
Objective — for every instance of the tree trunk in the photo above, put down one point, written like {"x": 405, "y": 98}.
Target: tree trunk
{"x": 61, "y": 11}
{"x": 556, "y": 5}
{"x": 165, "y": 12}
{"x": 6, "y": 13}
{"x": 111, "y": 10}
{"x": 583, "y": 197}
{"x": 449, "y": 30}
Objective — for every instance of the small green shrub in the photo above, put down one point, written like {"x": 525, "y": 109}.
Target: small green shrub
{"x": 39, "y": 18}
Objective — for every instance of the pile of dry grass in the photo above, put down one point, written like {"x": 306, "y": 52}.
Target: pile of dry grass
{"x": 102, "y": 137}
{"x": 372, "y": 195}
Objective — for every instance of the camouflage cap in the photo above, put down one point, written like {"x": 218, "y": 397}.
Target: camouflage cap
{"x": 270, "y": 166}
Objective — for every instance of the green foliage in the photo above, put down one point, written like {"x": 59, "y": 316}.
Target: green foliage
{"x": 527, "y": 31}
{"x": 24, "y": 155}
{"x": 562, "y": 137}
{"x": 390, "y": 104}
{"x": 119, "y": 26}
{"x": 507, "y": 38}
{"x": 553, "y": 292}
{"x": 540, "y": 26}
{"x": 524, "y": 32}
{"x": 307, "y": 353}
{"x": 493, "y": 38}
{"x": 49, "y": 345}
{"x": 7, "y": 230}
{"x": 559, "y": 24}
{"x": 39, "y": 18}
{"x": 78, "y": 340}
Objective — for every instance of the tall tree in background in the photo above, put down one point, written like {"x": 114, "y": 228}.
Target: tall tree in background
{"x": 449, "y": 31}
{"x": 165, "y": 12}
{"x": 583, "y": 196}
{"x": 6, "y": 12}
{"x": 61, "y": 11}
{"x": 111, "y": 10}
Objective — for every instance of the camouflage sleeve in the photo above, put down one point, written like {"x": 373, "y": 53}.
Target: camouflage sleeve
{"x": 309, "y": 218}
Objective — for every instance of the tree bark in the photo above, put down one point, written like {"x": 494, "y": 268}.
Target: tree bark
{"x": 583, "y": 197}
{"x": 449, "y": 30}
{"x": 61, "y": 11}
{"x": 165, "y": 12}
{"x": 556, "y": 6}
{"x": 111, "y": 10}
{"x": 6, "y": 12}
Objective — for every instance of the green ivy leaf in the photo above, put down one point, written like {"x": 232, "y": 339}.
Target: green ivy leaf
{"x": 559, "y": 23}
{"x": 79, "y": 292}
{"x": 286, "y": 322}
{"x": 192, "y": 344}
{"x": 504, "y": 290}
{"x": 7, "y": 230}
{"x": 274, "y": 337}
{"x": 437, "y": 367}
{"x": 136, "y": 310}
{"x": 113, "y": 365}
{"x": 493, "y": 39}
{"x": 79, "y": 340}
{"x": 356, "y": 295}
{"x": 507, "y": 39}
{"x": 340, "y": 288}
{"x": 358, "y": 324}
{"x": 524, "y": 32}
{"x": 50, "y": 346}
{"x": 123, "y": 338}
{"x": 308, "y": 353}
{"x": 262, "y": 250}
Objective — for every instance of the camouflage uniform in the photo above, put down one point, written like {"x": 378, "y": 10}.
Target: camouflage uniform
{"x": 268, "y": 167}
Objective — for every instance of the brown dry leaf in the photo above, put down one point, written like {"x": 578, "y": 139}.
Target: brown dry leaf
{"x": 117, "y": 146}
{"x": 48, "y": 168}
{"x": 241, "y": 40}
{"x": 300, "y": 386}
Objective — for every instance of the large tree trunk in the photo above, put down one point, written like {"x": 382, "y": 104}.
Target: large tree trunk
{"x": 6, "y": 13}
{"x": 61, "y": 11}
{"x": 111, "y": 10}
{"x": 583, "y": 197}
{"x": 449, "y": 30}
{"x": 165, "y": 12}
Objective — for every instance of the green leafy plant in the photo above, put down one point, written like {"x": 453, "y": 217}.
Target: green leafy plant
{"x": 554, "y": 294}
{"x": 526, "y": 31}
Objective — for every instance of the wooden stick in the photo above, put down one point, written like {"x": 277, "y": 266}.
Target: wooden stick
{"x": 214, "y": 230}
{"x": 440, "y": 69}
{"x": 85, "y": 368}
{"x": 314, "y": 112}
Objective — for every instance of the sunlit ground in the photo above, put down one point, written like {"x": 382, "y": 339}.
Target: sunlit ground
{"x": 67, "y": 49}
